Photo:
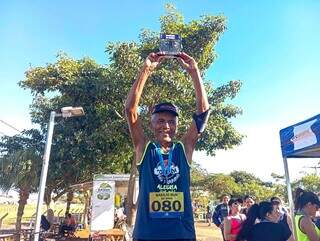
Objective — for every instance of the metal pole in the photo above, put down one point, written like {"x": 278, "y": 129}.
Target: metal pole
{"x": 290, "y": 198}
{"x": 44, "y": 173}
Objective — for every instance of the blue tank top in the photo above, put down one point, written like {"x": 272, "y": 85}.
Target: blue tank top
{"x": 164, "y": 208}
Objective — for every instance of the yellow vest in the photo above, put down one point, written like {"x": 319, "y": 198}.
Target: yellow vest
{"x": 301, "y": 236}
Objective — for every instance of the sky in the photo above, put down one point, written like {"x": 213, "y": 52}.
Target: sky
{"x": 272, "y": 46}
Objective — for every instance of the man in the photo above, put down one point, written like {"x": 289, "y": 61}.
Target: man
{"x": 220, "y": 212}
{"x": 164, "y": 209}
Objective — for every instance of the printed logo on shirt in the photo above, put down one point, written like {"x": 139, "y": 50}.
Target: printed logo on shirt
{"x": 167, "y": 178}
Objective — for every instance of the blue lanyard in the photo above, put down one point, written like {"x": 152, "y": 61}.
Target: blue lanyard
{"x": 165, "y": 170}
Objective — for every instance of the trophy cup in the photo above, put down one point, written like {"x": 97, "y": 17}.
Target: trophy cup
{"x": 170, "y": 44}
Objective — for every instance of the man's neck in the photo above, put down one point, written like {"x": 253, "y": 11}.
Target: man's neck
{"x": 165, "y": 146}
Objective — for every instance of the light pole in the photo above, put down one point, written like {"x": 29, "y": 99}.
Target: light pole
{"x": 65, "y": 112}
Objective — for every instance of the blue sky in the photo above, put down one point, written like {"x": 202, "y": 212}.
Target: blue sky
{"x": 272, "y": 46}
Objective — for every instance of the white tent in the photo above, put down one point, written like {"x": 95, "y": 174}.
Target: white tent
{"x": 301, "y": 140}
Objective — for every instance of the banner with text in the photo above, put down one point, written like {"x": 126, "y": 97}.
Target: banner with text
{"x": 102, "y": 204}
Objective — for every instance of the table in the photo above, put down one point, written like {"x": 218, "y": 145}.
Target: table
{"x": 114, "y": 234}
{"x": 6, "y": 237}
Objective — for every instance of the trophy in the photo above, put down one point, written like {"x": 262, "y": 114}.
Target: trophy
{"x": 170, "y": 44}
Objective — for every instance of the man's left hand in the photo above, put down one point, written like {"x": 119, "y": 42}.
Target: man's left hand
{"x": 187, "y": 62}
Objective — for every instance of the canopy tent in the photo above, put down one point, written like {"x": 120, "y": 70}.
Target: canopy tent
{"x": 301, "y": 140}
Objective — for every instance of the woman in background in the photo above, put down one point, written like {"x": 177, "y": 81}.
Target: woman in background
{"x": 285, "y": 219}
{"x": 306, "y": 204}
{"x": 268, "y": 229}
{"x": 233, "y": 222}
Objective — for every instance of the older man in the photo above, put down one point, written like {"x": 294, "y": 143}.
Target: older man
{"x": 164, "y": 209}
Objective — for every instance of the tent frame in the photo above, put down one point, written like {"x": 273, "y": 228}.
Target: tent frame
{"x": 290, "y": 197}
{"x": 305, "y": 135}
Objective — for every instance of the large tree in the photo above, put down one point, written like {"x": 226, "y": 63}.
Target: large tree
{"x": 100, "y": 141}
{"x": 20, "y": 166}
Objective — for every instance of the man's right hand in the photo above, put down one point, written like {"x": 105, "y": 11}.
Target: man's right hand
{"x": 153, "y": 60}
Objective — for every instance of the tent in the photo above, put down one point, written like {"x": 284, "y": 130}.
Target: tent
{"x": 301, "y": 140}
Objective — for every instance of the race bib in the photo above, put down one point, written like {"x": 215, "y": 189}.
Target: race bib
{"x": 166, "y": 204}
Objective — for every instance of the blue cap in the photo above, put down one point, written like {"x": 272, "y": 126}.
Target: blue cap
{"x": 166, "y": 107}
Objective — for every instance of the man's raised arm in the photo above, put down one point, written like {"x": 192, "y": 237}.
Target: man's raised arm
{"x": 133, "y": 98}
{"x": 202, "y": 113}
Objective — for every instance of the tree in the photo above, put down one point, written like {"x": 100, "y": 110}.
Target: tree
{"x": 220, "y": 184}
{"x": 309, "y": 182}
{"x": 21, "y": 165}
{"x": 257, "y": 190}
{"x": 198, "y": 177}
{"x": 100, "y": 142}
{"x": 242, "y": 177}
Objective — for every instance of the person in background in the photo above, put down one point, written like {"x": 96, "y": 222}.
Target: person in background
{"x": 69, "y": 225}
{"x": 285, "y": 219}
{"x": 248, "y": 202}
{"x": 306, "y": 203}
{"x": 280, "y": 203}
{"x": 209, "y": 215}
{"x": 221, "y": 211}
{"x": 267, "y": 229}
{"x": 51, "y": 218}
{"x": 233, "y": 222}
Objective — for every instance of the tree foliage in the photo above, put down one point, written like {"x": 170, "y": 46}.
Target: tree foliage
{"x": 20, "y": 163}
{"x": 309, "y": 182}
{"x": 235, "y": 184}
{"x": 99, "y": 142}
{"x": 242, "y": 177}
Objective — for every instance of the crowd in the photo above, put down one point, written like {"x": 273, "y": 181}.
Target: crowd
{"x": 246, "y": 220}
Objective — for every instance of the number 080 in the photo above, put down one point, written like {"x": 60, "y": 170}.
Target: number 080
{"x": 165, "y": 206}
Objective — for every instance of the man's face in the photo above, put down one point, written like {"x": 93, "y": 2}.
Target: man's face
{"x": 164, "y": 126}
{"x": 225, "y": 199}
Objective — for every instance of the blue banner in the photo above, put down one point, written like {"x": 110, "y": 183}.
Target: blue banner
{"x": 301, "y": 139}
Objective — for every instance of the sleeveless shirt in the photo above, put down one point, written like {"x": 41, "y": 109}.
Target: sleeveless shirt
{"x": 164, "y": 208}
{"x": 235, "y": 225}
{"x": 301, "y": 236}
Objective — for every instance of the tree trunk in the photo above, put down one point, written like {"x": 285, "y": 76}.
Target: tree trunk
{"x": 87, "y": 197}
{"x": 47, "y": 196}
{"x": 69, "y": 199}
{"x": 130, "y": 207}
{"x": 23, "y": 197}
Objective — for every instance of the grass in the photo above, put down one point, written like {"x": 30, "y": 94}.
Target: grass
{"x": 30, "y": 211}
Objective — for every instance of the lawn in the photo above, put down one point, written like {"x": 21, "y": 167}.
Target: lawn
{"x": 30, "y": 211}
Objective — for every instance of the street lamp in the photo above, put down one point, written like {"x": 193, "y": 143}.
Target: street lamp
{"x": 64, "y": 112}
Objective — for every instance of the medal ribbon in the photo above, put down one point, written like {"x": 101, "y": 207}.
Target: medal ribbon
{"x": 165, "y": 170}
